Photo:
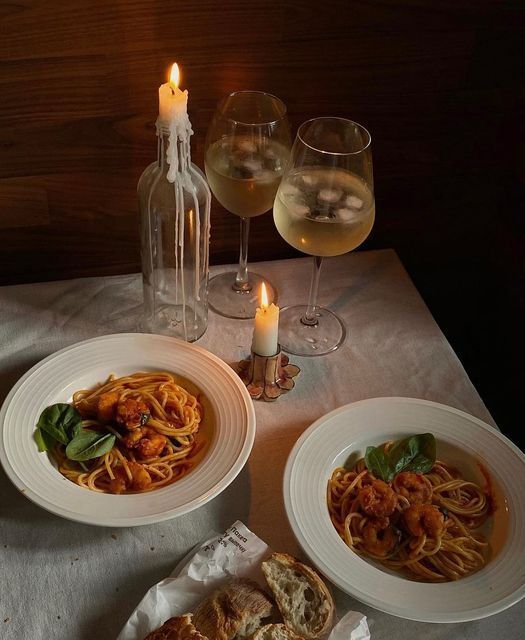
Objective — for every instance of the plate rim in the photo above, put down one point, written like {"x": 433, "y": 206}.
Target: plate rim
{"x": 133, "y": 521}
{"x": 474, "y": 614}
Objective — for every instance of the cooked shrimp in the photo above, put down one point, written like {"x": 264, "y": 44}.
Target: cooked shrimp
{"x": 107, "y": 404}
{"x": 379, "y": 537}
{"x": 119, "y": 482}
{"x": 131, "y": 412}
{"x": 132, "y": 438}
{"x": 140, "y": 478}
{"x": 422, "y": 519}
{"x": 413, "y": 486}
{"x": 377, "y": 499}
{"x": 152, "y": 444}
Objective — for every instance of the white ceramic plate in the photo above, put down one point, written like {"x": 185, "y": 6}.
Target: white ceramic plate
{"x": 227, "y": 406}
{"x": 462, "y": 440}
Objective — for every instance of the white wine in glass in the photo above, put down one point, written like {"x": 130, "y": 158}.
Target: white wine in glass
{"x": 247, "y": 148}
{"x": 323, "y": 211}
{"x": 244, "y": 174}
{"x": 324, "y": 207}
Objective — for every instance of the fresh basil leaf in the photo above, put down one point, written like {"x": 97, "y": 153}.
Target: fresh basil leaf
{"x": 402, "y": 453}
{"x": 53, "y": 432}
{"x": 40, "y": 441}
{"x": 43, "y": 440}
{"x": 416, "y": 453}
{"x": 377, "y": 462}
{"x": 89, "y": 444}
{"x": 420, "y": 464}
{"x": 61, "y": 421}
{"x": 144, "y": 417}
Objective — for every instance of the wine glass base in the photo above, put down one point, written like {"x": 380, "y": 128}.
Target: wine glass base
{"x": 307, "y": 340}
{"x": 230, "y": 303}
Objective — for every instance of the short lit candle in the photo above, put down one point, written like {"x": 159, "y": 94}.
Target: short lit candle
{"x": 173, "y": 117}
{"x": 266, "y": 327}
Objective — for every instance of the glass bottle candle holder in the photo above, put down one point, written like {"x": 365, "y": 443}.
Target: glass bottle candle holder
{"x": 174, "y": 203}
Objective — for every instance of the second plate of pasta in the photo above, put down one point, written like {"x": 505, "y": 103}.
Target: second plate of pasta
{"x": 412, "y": 507}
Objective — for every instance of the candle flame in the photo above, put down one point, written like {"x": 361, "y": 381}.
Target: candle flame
{"x": 175, "y": 75}
{"x": 264, "y": 297}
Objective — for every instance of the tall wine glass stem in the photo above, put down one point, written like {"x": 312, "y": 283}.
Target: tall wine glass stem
{"x": 241, "y": 279}
{"x": 310, "y": 317}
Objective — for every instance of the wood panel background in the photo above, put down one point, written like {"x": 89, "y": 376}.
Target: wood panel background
{"x": 437, "y": 83}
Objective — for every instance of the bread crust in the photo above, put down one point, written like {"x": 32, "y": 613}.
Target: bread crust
{"x": 236, "y": 609}
{"x": 322, "y": 620}
{"x": 275, "y": 632}
{"x": 177, "y": 628}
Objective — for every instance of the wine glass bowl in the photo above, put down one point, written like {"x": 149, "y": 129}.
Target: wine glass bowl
{"x": 324, "y": 207}
{"x": 247, "y": 148}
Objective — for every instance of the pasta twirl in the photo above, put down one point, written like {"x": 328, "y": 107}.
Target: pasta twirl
{"x": 155, "y": 422}
{"x": 422, "y": 524}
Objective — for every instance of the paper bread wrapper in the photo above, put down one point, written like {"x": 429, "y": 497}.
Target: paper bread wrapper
{"x": 236, "y": 553}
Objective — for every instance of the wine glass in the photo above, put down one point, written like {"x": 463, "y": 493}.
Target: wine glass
{"x": 324, "y": 207}
{"x": 247, "y": 147}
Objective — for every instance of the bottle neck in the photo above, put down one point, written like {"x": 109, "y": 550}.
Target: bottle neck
{"x": 180, "y": 155}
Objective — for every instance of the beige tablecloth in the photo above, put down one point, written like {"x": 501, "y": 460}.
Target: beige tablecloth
{"x": 63, "y": 580}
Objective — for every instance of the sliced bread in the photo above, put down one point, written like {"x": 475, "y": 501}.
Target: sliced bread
{"x": 303, "y": 599}
{"x": 236, "y": 610}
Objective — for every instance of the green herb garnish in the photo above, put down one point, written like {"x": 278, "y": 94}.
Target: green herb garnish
{"x": 89, "y": 444}
{"x": 415, "y": 453}
{"x": 62, "y": 423}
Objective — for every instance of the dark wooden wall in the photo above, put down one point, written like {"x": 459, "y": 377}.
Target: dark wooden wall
{"x": 437, "y": 82}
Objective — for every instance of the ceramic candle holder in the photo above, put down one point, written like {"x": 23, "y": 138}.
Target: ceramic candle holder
{"x": 268, "y": 377}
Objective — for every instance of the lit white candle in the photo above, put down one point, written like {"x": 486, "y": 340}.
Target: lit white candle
{"x": 266, "y": 327}
{"x": 173, "y": 103}
{"x": 173, "y": 117}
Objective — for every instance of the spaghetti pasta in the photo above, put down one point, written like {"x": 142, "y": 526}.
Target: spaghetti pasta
{"x": 155, "y": 422}
{"x": 421, "y": 524}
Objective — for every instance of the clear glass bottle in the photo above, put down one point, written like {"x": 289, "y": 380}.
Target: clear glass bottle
{"x": 175, "y": 232}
